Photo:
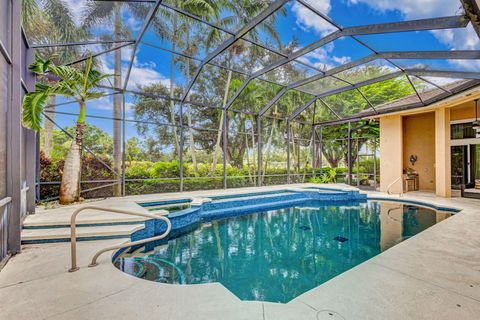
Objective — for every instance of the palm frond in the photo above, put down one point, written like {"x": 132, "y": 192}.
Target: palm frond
{"x": 70, "y": 82}
{"x": 61, "y": 18}
{"x": 65, "y": 72}
{"x": 40, "y": 66}
{"x": 32, "y": 106}
{"x": 64, "y": 88}
{"x": 96, "y": 13}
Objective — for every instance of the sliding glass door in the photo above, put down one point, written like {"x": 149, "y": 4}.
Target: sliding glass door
{"x": 459, "y": 166}
{"x": 476, "y": 162}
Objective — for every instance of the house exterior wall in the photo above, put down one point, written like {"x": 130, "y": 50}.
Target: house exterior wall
{"x": 391, "y": 152}
{"x": 17, "y": 175}
{"x": 419, "y": 140}
{"x": 442, "y": 153}
{"x": 410, "y": 132}
{"x": 463, "y": 111}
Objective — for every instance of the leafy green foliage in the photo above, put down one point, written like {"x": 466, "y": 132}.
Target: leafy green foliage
{"x": 94, "y": 138}
{"x": 81, "y": 85}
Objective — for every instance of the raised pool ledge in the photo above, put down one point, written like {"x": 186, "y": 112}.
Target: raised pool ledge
{"x": 205, "y": 209}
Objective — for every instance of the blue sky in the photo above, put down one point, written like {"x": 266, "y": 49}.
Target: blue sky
{"x": 152, "y": 65}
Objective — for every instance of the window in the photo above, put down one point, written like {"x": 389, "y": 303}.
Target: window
{"x": 462, "y": 131}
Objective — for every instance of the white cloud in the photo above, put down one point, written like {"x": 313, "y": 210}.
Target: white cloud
{"x": 459, "y": 39}
{"x": 466, "y": 65}
{"x": 414, "y": 9}
{"x": 309, "y": 20}
{"x": 322, "y": 58}
{"x": 127, "y": 53}
{"x": 76, "y": 8}
{"x": 142, "y": 75}
{"x": 341, "y": 60}
{"x": 132, "y": 23}
{"x": 103, "y": 103}
{"x": 465, "y": 39}
{"x": 455, "y": 39}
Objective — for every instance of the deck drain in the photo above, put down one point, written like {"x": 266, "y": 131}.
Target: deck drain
{"x": 304, "y": 228}
{"x": 340, "y": 239}
{"x": 329, "y": 315}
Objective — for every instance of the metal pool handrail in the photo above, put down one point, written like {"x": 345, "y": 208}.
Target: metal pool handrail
{"x": 5, "y": 201}
{"x": 391, "y": 185}
{"x": 73, "y": 234}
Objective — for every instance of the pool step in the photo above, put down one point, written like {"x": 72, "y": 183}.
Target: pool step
{"x": 255, "y": 207}
{"x": 254, "y": 196}
{"x": 165, "y": 207}
{"x": 252, "y": 200}
{"x": 102, "y": 232}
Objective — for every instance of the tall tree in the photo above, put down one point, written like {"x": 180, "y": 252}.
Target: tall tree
{"x": 177, "y": 29}
{"x": 110, "y": 13}
{"x": 81, "y": 85}
{"x": 241, "y": 13}
{"x": 51, "y": 23}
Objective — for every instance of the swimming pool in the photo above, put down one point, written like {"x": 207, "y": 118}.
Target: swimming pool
{"x": 276, "y": 255}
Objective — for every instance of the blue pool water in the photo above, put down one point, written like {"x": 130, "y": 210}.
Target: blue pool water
{"x": 279, "y": 254}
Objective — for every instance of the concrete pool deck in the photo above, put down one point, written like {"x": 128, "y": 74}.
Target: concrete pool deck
{"x": 433, "y": 275}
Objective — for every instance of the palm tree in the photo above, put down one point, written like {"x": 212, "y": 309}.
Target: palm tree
{"x": 241, "y": 13}
{"x": 51, "y": 23}
{"x": 99, "y": 13}
{"x": 174, "y": 28}
{"x": 81, "y": 85}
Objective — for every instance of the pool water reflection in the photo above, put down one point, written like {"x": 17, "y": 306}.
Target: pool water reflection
{"x": 280, "y": 254}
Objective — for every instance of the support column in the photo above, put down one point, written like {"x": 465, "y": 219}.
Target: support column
{"x": 313, "y": 151}
{"x": 443, "y": 186}
{"x": 32, "y": 153}
{"x": 180, "y": 155}
{"x": 15, "y": 133}
{"x": 375, "y": 163}
{"x": 259, "y": 150}
{"x": 289, "y": 180}
{"x": 349, "y": 154}
{"x": 391, "y": 152}
{"x": 124, "y": 144}
{"x": 320, "y": 148}
{"x": 224, "y": 148}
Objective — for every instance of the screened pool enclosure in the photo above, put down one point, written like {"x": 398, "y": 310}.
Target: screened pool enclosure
{"x": 222, "y": 94}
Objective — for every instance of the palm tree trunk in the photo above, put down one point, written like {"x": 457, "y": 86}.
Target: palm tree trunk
{"x": 72, "y": 169}
{"x": 48, "y": 127}
{"x": 117, "y": 108}
{"x": 220, "y": 126}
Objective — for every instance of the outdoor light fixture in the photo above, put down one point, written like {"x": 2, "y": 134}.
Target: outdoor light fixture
{"x": 413, "y": 159}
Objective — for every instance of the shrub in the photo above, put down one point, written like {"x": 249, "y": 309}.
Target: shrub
{"x": 165, "y": 169}
{"x": 138, "y": 169}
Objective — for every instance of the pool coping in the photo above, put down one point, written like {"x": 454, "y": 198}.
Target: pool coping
{"x": 430, "y": 276}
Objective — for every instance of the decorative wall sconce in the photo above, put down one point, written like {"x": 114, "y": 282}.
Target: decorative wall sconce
{"x": 413, "y": 159}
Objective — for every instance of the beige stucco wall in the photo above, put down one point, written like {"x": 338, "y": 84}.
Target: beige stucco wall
{"x": 419, "y": 140}
{"x": 391, "y": 152}
{"x": 442, "y": 153}
{"x": 463, "y": 111}
{"x": 393, "y": 155}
